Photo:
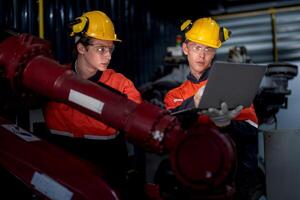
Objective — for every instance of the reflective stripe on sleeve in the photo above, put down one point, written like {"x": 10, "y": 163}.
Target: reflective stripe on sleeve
{"x": 86, "y": 136}
{"x": 64, "y": 133}
{"x": 252, "y": 123}
{"x": 101, "y": 137}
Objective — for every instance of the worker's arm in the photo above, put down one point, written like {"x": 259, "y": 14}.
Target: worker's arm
{"x": 175, "y": 102}
{"x": 241, "y": 130}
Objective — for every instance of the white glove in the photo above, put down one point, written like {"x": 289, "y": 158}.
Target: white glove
{"x": 222, "y": 117}
{"x": 198, "y": 95}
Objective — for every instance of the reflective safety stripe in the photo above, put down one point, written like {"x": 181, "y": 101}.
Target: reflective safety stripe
{"x": 252, "y": 123}
{"x": 86, "y": 136}
{"x": 101, "y": 137}
{"x": 50, "y": 187}
{"x": 177, "y": 100}
{"x": 64, "y": 133}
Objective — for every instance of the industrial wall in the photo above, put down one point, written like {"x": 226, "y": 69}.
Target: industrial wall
{"x": 270, "y": 35}
{"x": 144, "y": 35}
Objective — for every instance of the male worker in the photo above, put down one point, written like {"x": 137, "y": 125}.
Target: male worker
{"x": 202, "y": 38}
{"x": 89, "y": 138}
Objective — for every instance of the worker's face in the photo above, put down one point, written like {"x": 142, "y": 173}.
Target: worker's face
{"x": 98, "y": 54}
{"x": 199, "y": 56}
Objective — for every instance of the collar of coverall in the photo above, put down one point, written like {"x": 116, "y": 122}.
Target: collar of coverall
{"x": 203, "y": 77}
{"x": 95, "y": 78}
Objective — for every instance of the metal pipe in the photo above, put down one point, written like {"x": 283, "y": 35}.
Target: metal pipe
{"x": 15, "y": 14}
{"x": 41, "y": 18}
{"x": 274, "y": 35}
{"x": 256, "y": 13}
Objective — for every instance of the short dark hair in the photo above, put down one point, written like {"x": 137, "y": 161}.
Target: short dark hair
{"x": 85, "y": 41}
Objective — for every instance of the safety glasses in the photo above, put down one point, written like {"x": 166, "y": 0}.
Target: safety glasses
{"x": 103, "y": 49}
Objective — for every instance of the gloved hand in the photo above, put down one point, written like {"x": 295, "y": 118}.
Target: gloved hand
{"x": 222, "y": 117}
{"x": 198, "y": 95}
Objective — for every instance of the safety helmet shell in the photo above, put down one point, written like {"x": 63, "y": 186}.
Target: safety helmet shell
{"x": 95, "y": 24}
{"x": 205, "y": 31}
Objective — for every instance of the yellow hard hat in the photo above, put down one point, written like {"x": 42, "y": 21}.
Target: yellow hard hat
{"x": 95, "y": 24}
{"x": 205, "y": 31}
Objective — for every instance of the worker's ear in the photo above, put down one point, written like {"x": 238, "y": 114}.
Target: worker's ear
{"x": 80, "y": 48}
{"x": 184, "y": 48}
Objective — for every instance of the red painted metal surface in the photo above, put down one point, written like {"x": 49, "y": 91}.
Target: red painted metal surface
{"x": 16, "y": 51}
{"x": 38, "y": 164}
{"x": 211, "y": 155}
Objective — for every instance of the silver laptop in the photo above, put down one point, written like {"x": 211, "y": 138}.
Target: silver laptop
{"x": 233, "y": 83}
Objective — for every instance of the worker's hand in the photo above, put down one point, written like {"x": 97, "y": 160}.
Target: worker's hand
{"x": 222, "y": 117}
{"x": 198, "y": 95}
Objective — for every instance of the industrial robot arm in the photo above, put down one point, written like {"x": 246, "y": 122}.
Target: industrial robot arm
{"x": 201, "y": 157}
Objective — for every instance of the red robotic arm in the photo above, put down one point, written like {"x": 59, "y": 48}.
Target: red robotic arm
{"x": 201, "y": 157}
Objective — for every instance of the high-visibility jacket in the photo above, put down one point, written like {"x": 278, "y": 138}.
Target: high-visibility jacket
{"x": 62, "y": 119}
{"x": 182, "y": 98}
{"x": 243, "y": 129}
